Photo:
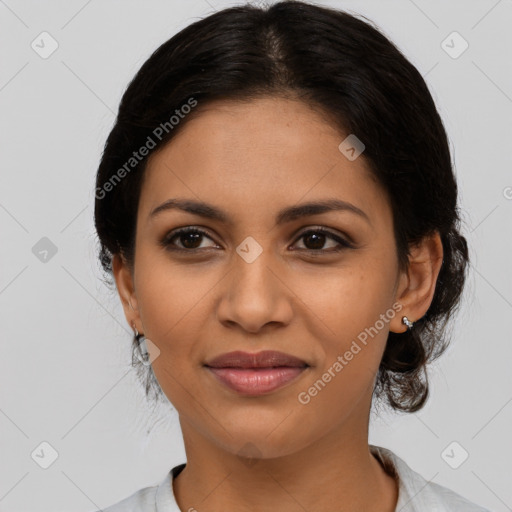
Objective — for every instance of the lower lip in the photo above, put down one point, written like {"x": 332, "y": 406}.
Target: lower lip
{"x": 254, "y": 381}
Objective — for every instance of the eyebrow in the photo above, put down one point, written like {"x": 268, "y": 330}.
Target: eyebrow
{"x": 285, "y": 215}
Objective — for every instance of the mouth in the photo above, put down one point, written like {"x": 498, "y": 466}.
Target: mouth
{"x": 256, "y": 374}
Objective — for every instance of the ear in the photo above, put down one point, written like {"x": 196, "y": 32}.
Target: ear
{"x": 417, "y": 285}
{"x": 125, "y": 287}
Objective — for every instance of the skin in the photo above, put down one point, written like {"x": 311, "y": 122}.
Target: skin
{"x": 252, "y": 159}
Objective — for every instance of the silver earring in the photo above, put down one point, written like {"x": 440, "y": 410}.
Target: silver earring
{"x": 143, "y": 354}
{"x": 407, "y": 322}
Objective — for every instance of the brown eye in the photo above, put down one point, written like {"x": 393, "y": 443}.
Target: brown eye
{"x": 190, "y": 239}
{"x": 315, "y": 239}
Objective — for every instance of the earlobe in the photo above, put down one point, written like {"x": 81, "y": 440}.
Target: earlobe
{"x": 125, "y": 288}
{"x": 425, "y": 262}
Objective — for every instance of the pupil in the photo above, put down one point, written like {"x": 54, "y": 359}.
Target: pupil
{"x": 318, "y": 240}
{"x": 194, "y": 236}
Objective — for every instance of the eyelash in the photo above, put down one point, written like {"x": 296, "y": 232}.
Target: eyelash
{"x": 344, "y": 244}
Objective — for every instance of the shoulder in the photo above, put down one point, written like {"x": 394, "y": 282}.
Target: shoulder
{"x": 417, "y": 494}
{"x": 453, "y": 501}
{"x": 155, "y": 498}
{"x": 143, "y": 500}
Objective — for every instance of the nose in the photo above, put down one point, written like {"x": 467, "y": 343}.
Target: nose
{"x": 255, "y": 294}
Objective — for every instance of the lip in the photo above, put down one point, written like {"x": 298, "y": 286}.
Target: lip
{"x": 263, "y": 359}
{"x": 256, "y": 373}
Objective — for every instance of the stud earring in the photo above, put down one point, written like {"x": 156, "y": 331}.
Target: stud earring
{"x": 407, "y": 322}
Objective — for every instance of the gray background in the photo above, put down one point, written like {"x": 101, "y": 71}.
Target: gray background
{"x": 65, "y": 369}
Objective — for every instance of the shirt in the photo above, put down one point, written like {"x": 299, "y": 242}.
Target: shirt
{"x": 415, "y": 494}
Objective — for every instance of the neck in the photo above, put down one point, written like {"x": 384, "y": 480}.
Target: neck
{"x": 337, "y": 472}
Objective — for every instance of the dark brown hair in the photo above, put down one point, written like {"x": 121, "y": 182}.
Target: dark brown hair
{"x": 346, "y": 69}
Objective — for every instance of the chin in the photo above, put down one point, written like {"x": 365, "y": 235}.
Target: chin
{"x": 262, "y": 439}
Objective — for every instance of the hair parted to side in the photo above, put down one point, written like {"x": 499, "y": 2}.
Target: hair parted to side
{"x": 346, "y": 69}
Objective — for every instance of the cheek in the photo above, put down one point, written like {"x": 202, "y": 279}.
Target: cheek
{"x": 345, "y": 303}
{"x": 171, "y": 296}
{"x": 352, "y": 311}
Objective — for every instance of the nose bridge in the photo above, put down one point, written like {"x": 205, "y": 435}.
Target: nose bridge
{"x": 252, "y": 272}
{"x": 255, "y": 296}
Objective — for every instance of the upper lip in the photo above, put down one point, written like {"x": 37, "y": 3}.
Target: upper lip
{"x": 264, "y": 359}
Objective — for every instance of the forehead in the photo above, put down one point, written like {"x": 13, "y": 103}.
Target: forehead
{"x": 256, "y": 153}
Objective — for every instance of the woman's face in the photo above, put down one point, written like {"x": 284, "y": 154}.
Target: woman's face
{"x": 259, "y": 280}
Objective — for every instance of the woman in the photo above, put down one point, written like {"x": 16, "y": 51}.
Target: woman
{"x": 277, "y": 207}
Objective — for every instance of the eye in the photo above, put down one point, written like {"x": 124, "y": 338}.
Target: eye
{"x": 189, "y": 237}
{"x": 316, "y": 238}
